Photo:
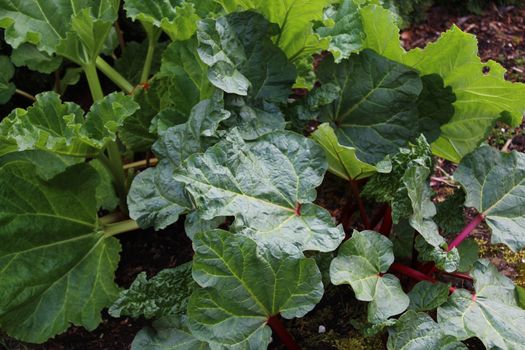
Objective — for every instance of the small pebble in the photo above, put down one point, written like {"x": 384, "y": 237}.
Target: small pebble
{"x": 322, "y": 329}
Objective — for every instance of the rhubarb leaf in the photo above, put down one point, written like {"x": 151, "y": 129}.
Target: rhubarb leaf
{"x": 7, "y": 71}
{"x": 165, "y": 294}
{"x": 244, "y": 284}
{"x": 107, "y": 198}
{"x": 417, "y": 330}
{"x": 362, "y": 262}
{"x": 342, "y": 160}
{"x": 492, "y": 314}
{"x": 427, "y": 296}
{"x": 242, "y": 58}
{"x": 495, "y": 185}
{"x": 268, "y": 185}
{"x": 58, "y": 266}
{"x": 47, "y": 164}
{"x": 177, "y": 18}
{"x": 28, "y": 55}
{"x": 448, "y": 261}
{"x": 168, "y": 334}
{"x": 344, "y": 29}
{"x": 61, "y": 128}
{"x": 468, "y": 255}
{"x": 131, "y": 61}
{"x": 376, "y": 111}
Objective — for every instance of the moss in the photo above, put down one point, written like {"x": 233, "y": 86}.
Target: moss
{"x": 511, "y": 263}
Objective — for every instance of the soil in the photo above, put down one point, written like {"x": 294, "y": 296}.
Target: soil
{"x": 335, "y": 321}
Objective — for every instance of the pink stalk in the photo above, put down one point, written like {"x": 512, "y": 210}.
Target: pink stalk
{"x": 280, "y": 330}
{"x": 466, "y": 231}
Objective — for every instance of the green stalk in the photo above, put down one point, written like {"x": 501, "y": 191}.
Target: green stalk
{"x": 153, "y": 38}
{"x": 94, "y": 83}
{"x": 115, "y": 76}
{"x": 114, "y": 165}
{"x": 120, "y": 227}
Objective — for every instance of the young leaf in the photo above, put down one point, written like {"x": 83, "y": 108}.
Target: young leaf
{"x": 244, "y": 284}
{"x": 7, "y": 71}
{"x": 495, "y": 183}
{"x": 242, "y": 58}
{"x": 427, "y": 296}
{"x": 344, "y": 29}
{"x": 342, "y": 160}
{"x": 520, "y": 292}
{"x": 450, "y": 215}
{"x": 166, "y": 294}
{"x": 417, "y": 330}
{"x": 376, "y": 110}
{"x": 362, "y": 262}
{"x": 61, "y": 127}
{"x": 58, "y": 265}
{"x": 445, "y": 260}
{"x": 268, "y": 185}
{"x": 492, "y": 314}
{"x": 28, "y": 55}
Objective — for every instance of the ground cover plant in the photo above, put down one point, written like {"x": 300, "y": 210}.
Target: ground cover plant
{"x": 246, "y": 106}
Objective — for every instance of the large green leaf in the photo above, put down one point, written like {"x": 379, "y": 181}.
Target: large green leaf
{"x": 481, "y": 98}
{"x": 244, "y": 284}
{"x": 47, "y": 164}
{"x": 61, "y": 127}
{"x": 56, "y": 265}
{"x": 168, "y": 334}
{"x": 7, "y": 71}
{"x": 362, "y": 262}
{"x": 28, "y": 55}
{"x": 495, "y": 186}
{"x": 491, "y": 314}
{"x": 165, "y": 294}
{"x": 268, "y": 185}
{"x": 376, "y": 110}
{"x": 342, "y": 160}
{"x": 242, "y": 58}
{"x": 417, "y": 331}
{"x": 344, "y": 29}
{"x": 295, "y": 19}
{"x": 74, "y": 29}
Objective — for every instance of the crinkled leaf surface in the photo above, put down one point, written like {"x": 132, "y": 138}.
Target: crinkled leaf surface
{"x": 362, "y": 262}
{"x": 495, "y": 186}
{"x": 342, "y": 160}
{"x": 56, "y": 266}
{"x": 492, "y": 315}
{"x": 155, "y": 198}
{"x": 7, "y": 71}
{"x": 344, "y": 29}
{"x": 61, "y": 127}
{"x": 244, "y": 284}
{"x": 445, "y": 260}
{"x": 268, "y": 185}
{"x": 165, "y": 294}
{"x": 416, "y": 331}
{"x": 427, "y": 296}
{"x": 74, "y": 29}
{"x": 242, "y": 58}
{"x": 450, "y": 215}
{"x": 178, "y": 18}
{"x": 28, "y": 55}
{"x": 376, "y": 110}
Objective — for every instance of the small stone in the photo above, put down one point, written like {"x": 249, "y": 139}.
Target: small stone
{"x": 322, "y": 329}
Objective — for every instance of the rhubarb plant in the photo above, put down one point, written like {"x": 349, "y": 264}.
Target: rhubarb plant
{"x": 239, "y": 155}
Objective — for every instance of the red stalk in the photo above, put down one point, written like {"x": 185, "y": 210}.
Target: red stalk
{"x": 278, "y": 328}
{"x": 462, "y": 276}
{"x": 362, "y": 210}
{"x": 466, "y": 231}
{"x": 415, "y": 274}
{"x": 386, "y": 225}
